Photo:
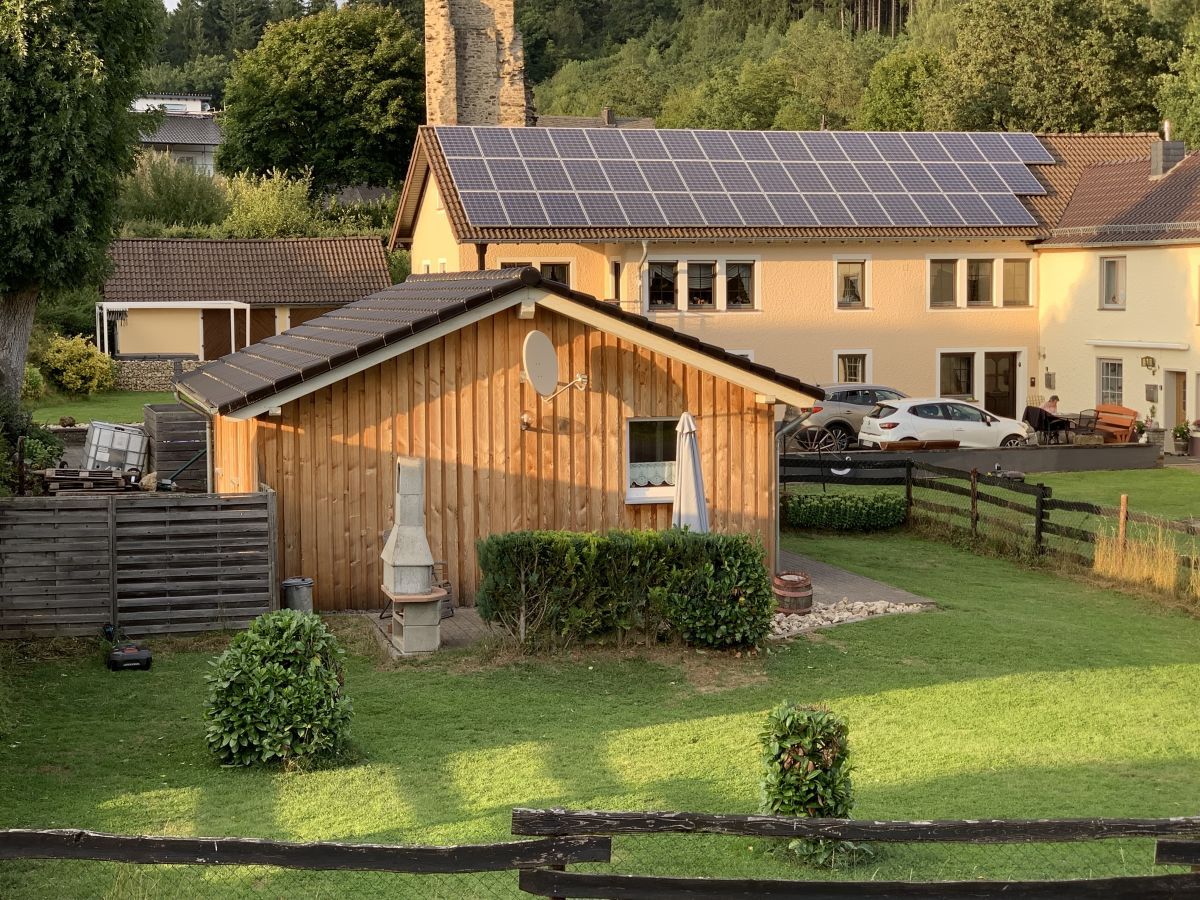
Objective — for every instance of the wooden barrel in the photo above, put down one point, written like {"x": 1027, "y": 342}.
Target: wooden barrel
{"x": 793, "y": 591}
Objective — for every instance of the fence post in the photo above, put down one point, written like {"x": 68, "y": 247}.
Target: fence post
{"x": 1039, "y": 518}
{"x": 974, "y": 503}
{"x": 112, "y": 561}
{"x": 908, "y": 484}
{"x": 1122, "y": 519}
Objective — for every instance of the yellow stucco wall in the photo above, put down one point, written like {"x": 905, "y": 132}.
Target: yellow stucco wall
{"x": 1162, "y": 287}
{"x": 434, "y": 248}
{"x": 159, "y": 331}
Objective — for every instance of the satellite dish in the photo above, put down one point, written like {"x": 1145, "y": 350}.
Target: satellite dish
{"x": 540, "y": 362}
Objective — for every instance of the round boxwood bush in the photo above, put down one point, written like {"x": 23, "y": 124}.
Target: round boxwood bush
{"x": 277, "y": 694}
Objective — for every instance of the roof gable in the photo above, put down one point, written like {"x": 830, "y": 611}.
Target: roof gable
{"x": 266, "y": 272}
{"x": 370, "y": 331}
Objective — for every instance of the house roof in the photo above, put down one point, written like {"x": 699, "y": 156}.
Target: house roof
{"x": 351, "y": 338}
{"x": 1072, "y": 154}
{"x": 1119, "y": 203}
{"x": 264, "y": 272}
{"x": 185, "y": 128}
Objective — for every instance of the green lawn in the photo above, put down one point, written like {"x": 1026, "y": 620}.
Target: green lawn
{"x": 1024, "y": 695}
{"x": 119, "y": 407}
{"x": 1168, "y": 492}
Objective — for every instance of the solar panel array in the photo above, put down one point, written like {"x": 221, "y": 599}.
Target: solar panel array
{"x": 609, "y": 177}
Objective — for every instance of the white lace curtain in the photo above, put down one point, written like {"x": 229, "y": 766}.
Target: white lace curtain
{"x": 651, "y": 474}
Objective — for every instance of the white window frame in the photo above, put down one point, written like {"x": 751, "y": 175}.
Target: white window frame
{"x": 1004, "y": 261}
{"x": 1100, "y": 363}
{"x": 681, "y": 261}
{"x": 868, "y": 365}
{"x": 966, "y": 267}
{"x": 426, "y": 266}
{"x": 960, "y": 279}
{"x": 979, "y": 370}
{"x": 640, "y": 495}
{"x": 1124, "y": 273}
{"x": 865, "y": 259}
{"x": 537, "y": 262}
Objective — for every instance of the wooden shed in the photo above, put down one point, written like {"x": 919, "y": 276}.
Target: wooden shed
{"x": 433, "y": 368}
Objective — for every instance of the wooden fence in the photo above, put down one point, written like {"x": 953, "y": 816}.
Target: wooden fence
{"x": 176, "y": 435}
{"x": 148, "y": 563}
{"x": 562, "y": 823}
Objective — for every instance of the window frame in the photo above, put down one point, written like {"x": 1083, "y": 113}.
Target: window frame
{"x": 968, "y": 354}
{"x": 711, "y": 266}
{"x": 929, "y": 304}
{"x": 868, "y": 365}
{"x": 673, "y": 264}
{"x": 753, "y": 285}
{"x": 1100, "y": 364}
{"x": 989, "y": 282}
{"x": 1004, "y": 282}
{"x": 863, "y": 259}
{"x": 517, "y": 262}
{"x": 720, "y": 283}
{"x": 999, "y": 261}
{"x": 1123, "y": 270}
{"x": 651, "y": 494}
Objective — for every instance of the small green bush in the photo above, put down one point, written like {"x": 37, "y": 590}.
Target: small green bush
{"x": 43, "y": 448}
{"x": 33, "y": 388}
{"x": 874, "y": 511}
{"x": 172, "y": 193}
{"x": 277, "y": 695}
{"x": 273, "y": 205}
{"x": 77, "y": 366}
{"x": 552, "y": 588}
{"x": 806, "y": 762}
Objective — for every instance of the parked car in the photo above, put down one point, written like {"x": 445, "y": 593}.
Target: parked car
{"x": 841, "y": 412}
{"x": 939, "y": 419}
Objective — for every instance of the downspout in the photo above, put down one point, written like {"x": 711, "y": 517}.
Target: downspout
{"x": 481, "y": 257}
{"x": 641, "y": 273}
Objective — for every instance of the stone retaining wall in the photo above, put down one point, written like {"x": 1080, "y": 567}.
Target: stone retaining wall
{"x": 151, "y": 374}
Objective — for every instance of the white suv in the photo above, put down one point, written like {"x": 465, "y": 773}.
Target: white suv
{"x": 939, "y": 419}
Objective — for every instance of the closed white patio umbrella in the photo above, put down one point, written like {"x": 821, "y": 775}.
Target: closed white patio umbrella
{"x": 690, "y": 508}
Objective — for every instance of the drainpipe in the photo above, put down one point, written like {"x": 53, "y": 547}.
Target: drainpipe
{"x": 481, "y": 256}
{"x": 641, "y": 274}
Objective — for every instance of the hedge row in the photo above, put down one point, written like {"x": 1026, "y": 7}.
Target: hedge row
{"x": 874, "y": 511}
{"x": 552, "y": 588}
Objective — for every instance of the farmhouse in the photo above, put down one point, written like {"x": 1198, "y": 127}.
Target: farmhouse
{"x": 432, "y": 368}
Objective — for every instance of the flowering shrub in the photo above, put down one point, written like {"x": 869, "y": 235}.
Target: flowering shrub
{"x": 77, "y": 366}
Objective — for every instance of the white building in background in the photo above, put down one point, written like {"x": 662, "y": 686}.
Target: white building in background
{"x": 189, "y": 132}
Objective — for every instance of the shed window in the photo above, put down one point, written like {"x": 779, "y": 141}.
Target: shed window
{"x": 651, "y": 476}
{"x": 662, "y": 285}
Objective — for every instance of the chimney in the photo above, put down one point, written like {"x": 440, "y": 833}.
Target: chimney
{"x": 1166, "y": 154}
{"x": 608, "y": 116}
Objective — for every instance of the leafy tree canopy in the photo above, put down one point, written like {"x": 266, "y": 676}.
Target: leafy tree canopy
{"x": 1179, "y": 95}
{"x": 339, "y": 93}
{"x": 896, "y": 91}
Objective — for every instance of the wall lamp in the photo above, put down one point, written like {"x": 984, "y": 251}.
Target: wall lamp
{"x": 1149, "y": 362}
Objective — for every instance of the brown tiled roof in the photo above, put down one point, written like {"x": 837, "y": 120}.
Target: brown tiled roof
{"x": 1074, "y": 153}
{"x": 268, "y": 272}
{"x": 346, "y": 335}
{"x": 1119, "y": 203}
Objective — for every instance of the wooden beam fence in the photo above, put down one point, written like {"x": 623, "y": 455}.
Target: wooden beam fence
{"x": 564, "y": 823}
{"x": 147, "y": 563}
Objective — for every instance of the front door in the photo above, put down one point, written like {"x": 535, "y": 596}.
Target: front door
{"x": 1178, "y": 413}
{"x": 1000, "y": 384}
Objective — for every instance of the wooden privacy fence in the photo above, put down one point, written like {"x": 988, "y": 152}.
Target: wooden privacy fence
{"x": 563, "y": 823}
{"x": 149, "y": 563}
{"x": 176, "y": 436}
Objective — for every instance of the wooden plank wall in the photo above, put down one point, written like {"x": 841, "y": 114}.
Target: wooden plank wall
{"x": 458, "y": 402}
{"x": 175, "y": 563}
{"x": 176, "y": 434}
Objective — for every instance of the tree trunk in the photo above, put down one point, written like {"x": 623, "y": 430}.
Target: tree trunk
{"x": 16, "y": 323}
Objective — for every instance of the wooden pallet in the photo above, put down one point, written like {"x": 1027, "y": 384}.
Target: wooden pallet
{"x": 61, "y": 481}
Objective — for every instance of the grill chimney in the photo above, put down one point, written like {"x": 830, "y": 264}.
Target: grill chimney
{"x": 1165, "y": 155}
{"x": 609, "y": 117}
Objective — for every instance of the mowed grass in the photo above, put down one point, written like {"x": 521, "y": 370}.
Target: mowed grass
{"x": 1023, "y": 695}
{"x": 119, "y": 407}
{"x": 1172, "y": 493}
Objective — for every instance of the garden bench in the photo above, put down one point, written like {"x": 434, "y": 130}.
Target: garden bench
{"x": 1115, "y": 422}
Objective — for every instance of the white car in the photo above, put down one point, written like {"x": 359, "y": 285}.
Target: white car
{"x": 939, "y": 419}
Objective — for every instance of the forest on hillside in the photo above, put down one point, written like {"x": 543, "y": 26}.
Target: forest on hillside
{"x": 1047, "y": 65}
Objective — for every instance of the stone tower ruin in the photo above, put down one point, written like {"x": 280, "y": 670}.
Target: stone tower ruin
{"x": 474, "y": 64}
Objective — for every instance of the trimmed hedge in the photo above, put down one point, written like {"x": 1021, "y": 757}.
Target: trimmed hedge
{"x": 874, "y": 511}
{"x": 552, "y": 588}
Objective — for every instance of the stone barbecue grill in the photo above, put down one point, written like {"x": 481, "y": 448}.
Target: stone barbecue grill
{"x": 408, "y": 566}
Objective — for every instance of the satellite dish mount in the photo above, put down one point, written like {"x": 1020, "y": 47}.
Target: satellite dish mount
{"x": 540, "y": 364}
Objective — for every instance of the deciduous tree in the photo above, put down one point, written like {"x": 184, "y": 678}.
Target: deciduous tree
{"x": 68, "y": 73}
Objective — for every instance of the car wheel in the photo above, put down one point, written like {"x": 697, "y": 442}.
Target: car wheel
{"x": 843, "y": 437}
{"x": 1013, "y": 440}
{"x": 815, "y": 440}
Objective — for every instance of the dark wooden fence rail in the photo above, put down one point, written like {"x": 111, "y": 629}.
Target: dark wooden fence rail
{"x": 70, "y": 844}
{"x": 150, "y": 563}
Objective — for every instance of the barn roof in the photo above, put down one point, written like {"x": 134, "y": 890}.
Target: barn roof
{"x": 260, "y": 272}
{"x": 362, "y": 334}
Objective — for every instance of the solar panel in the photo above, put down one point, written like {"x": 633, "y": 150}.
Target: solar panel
{"x": 572, "y": 177}
{"x": 735, "y": 176}
{"x": 866, "y": 209}
{"x": 857, "y": 146}
{"x": 752, "y": 145}
{"x": 879, "y": 177}
{"x": 624, "y": 175}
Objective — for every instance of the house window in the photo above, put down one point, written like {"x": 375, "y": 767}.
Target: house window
{"x": 1112, "y": 381}
{"x": 739, "y": 285}
{"x": 943, "y": 282}
{"x": 958, "y": 375}
{"x": 1016, "y": 282}
{"x": 701, "y": 279}
{"x": 979, "y": 282}
{"x": 651, "y": 476}
{"x": 559, "y": 272}
{"x": 514, "y": 265}
{"x": 851, "y": 284}
{"x": 616, "y": 277}
{"x": 852, "y": 368}
{"x": 662, "y": 285}
{"x": 1112, "y": 282}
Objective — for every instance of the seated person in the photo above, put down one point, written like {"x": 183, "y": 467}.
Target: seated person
{"x": 1051, "y": 405}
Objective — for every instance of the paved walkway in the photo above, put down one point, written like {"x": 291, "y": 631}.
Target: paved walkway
{"x": 831, "y": 584}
